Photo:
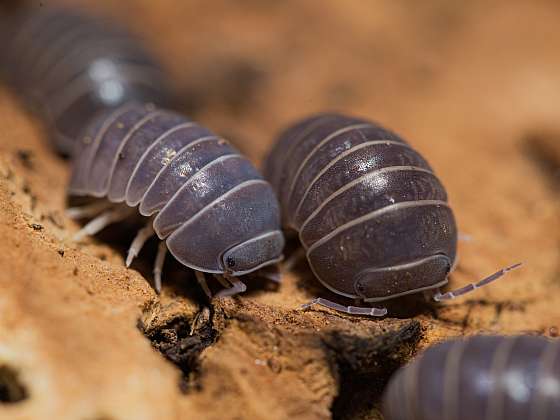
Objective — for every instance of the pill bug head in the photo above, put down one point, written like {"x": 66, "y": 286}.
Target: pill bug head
{"x": 257, "y": 252}
{"x": 376, "y": 284}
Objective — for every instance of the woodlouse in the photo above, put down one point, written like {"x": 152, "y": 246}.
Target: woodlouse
{"x": 210, "y": 206}
{"x": 479, "y": 378}
{"x": 372, "y": 216}
{"x": 68, "y": 66}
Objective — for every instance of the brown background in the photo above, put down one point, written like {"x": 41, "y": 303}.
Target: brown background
{"x": 474, "y": 87}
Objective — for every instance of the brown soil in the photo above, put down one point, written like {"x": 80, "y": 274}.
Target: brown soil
{"x": 475, "y": 87}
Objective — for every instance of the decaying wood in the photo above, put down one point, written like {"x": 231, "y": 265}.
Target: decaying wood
{"x": 82, "y": 337}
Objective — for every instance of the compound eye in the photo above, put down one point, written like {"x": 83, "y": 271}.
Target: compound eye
{"x": 230, "y": 262}
{"x": 253, "y": 253}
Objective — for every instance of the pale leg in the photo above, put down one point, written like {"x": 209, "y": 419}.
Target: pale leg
{"x": 354, "y": 310}
{"x": 89, "y": 210}
{"x": 473, "y": 286}
{"x": 232, "y": 286}
{"x": 202, "y": 281}
{"x": 158, "y": 265}
{"x": 237, "y": 286}
{"x": 141, "y": 237}
{"x": 103, "y": 220}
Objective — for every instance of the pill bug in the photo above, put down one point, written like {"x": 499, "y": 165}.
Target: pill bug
{"x": 479, "y": 378}
{"x": 372, "y": 216}
{"x": 207, "y": 203}
{"x": 68, "y": 66}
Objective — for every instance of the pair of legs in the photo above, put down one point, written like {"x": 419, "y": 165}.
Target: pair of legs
{"x": 232, "y": 285}
{"x": 438, "y": 296}
{"x": 106, "y": 213}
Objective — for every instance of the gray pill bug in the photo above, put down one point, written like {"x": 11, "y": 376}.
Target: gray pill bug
{"x": 207, "y": 203}
{"x": 479, "y": 378}
{"x": 371, "y": 214}
{"x": 69, "y": 66}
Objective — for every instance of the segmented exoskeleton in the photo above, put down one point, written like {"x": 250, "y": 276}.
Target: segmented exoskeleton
{"x": 207, "y": 202}
{"x": 479, "y": 378}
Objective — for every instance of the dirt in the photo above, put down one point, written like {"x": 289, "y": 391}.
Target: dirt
{"x": 473, "y": 86}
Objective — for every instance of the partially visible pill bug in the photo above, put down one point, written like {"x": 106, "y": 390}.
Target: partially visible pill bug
{"x": 68, "y": 66}
{"x": 479, "y": 378}
{"x": 210, "y": 206}
{"x": 370, "y": 212}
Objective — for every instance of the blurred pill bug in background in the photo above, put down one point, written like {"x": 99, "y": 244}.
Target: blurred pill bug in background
{"x": 210, "y": 206}
{"x": 67, "y": 66}
{"x": 479, "y": 378}
{"x": 372, "y": 216}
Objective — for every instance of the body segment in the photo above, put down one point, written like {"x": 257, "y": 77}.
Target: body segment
{"x": 480, "y": 378}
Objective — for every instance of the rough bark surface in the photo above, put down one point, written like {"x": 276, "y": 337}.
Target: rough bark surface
{"x": 475, "y": 87}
